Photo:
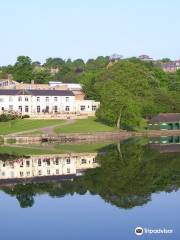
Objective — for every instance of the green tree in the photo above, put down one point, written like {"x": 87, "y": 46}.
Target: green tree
{"x": 23, "y": 69}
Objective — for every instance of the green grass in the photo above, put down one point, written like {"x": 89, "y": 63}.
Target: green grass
{"x": 88, "y": 125}
{"x": 32, "y": 133}
{"x": 80, "y": 148}
{"x": 38, "y": 150}
{"x": 20, "y": 125}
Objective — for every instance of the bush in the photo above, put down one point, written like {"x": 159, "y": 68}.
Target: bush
{"x": 26, "y": 116}
{"x": 7, "y": 117}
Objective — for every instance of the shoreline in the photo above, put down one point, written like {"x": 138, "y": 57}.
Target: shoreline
{"x": 86, "y": 137}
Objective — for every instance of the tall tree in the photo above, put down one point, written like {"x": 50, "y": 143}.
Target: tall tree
{"x": 23, "y": 69}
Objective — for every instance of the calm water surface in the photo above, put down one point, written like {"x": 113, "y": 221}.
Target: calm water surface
{"x": 104, "y": 194}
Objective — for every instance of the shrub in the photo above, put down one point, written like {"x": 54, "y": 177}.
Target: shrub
{"x": 26, "y": 116}
{"x": 7, "y": 117}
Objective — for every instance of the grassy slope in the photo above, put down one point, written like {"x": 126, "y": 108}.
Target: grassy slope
{"x": 76, "y": 148}
{"x": 84, "y": 126}
{"x": 25, "y": 124}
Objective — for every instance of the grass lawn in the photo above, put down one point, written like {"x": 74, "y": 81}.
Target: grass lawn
{"x": 88, "y": 125}
{"x": 38, "y": 150}
{"x": 20, "y": 125}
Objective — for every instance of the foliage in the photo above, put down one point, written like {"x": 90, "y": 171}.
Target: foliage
{"x": 7, "y": 117}
{"x": 130, "y": 91}
{"x": 23, "y": 69}
{"x": 129, "y": 173}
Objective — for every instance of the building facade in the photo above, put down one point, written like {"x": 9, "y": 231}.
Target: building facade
{"x": 47, "y": 165}
{"x": 44, "y": 103}
{"x": 165, "y": 121}
{"x": 171, "y": 66}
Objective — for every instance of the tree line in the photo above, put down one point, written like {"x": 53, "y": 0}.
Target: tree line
{"x": 56, "y": 69}
{"x": 130, "y": 90}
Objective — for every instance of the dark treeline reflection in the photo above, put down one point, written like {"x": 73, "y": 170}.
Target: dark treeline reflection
{"x": 129, "y": 173}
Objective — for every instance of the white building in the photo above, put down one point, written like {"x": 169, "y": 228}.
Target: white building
{"x": 47, "y": 165}
{"x": 45, "y": 103}
{"x": 70, "y": 86}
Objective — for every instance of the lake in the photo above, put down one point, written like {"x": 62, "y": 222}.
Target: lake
{"x": 91, "y": 191}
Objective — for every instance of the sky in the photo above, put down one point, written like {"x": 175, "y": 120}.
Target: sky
{"x": 88, "y": 28}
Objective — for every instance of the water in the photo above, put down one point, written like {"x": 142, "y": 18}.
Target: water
{"x": 102, "y": 194}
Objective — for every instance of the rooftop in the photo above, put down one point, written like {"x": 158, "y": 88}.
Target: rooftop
{"x": 165, "y": 117}
{"x": 35, "y": 92}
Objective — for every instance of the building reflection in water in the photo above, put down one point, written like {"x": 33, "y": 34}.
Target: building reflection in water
{"x": 43, "y": 167}
{"x": 165, "y": 144}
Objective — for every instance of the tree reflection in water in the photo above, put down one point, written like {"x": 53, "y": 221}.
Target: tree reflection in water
{"x": 129, "y": 173}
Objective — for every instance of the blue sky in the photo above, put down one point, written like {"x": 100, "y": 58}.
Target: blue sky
{"x": 88, "y": 28}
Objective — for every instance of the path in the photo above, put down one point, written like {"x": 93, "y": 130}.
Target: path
{"x": 45, "y": 130}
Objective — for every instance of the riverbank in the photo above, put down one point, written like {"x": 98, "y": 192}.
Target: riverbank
{"x": 85, "y": 137}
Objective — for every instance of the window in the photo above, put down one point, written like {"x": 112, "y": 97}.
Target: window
{"x": 21, "y": 174}
{"x": 57, "y": 171}
{"x": 39, "y": 162}
{"x": 55, "y": 109}
{"x": 20, "y": 108}
{"x": 83, "y": 161}
{"x": 48, "y": 172}
{"x": 68, "y": 161}
{"x": 68, "y": 170}
{"x": 27, "y": 163}
{"x": 38, "y": 109}
{"x": 47, "y": 99}
{"x": 94, "y": 160}
{"x": 2, "y": 108}
{"x": 11, "y": 107}
{"x": 82, "y": 108}
{"x": 19, "y": 99}
{"x": 21, "y": 164}
{"x": 93, "y": 108}
{"x": 27, "y": 174}
{"x": 55, "y": 99}
{"x": 38, "y": 99}
{"x": 26, "y": 109}
{"x": 48, "y": 162}
{"x": 67, "y": 108}
{"x": 67, "y": 99}
{"x": 26, "y": 99}
{"x": 47, "y": 109}
{"x": 39, "y": 172}
{"x": 57, "y": 162}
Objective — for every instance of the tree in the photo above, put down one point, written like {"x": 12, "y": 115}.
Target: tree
{"x": 23, "y": 69}
{"x": 116, "y": 105}
{"x": 54, "y": 62}
{"x": 165, "y": 60}
{"x": 42, "y": 76}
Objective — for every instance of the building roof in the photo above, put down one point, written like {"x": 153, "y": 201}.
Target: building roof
{"x": 37, "y": 179}
{"x": 165, "y": 117}
{"x": 36, "y": 92}
{"x": 166, "y": 148}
